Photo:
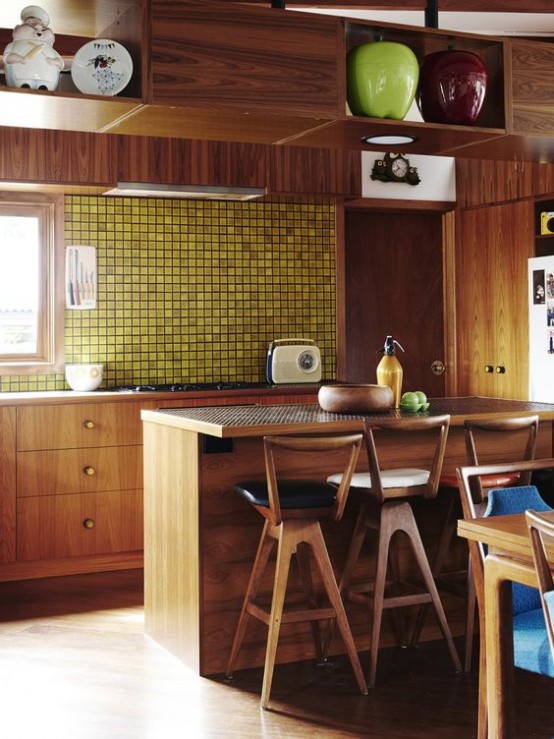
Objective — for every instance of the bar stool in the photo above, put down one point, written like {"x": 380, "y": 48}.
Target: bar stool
{"x": 385, "y": 508}
{"x": 521, "y": 433}
{"x": 292, "y": 509}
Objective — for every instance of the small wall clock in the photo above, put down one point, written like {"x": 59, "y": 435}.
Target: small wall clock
{"x": 395, "y": 168}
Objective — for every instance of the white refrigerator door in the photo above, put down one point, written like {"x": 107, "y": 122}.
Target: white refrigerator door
{"x": 541, "y": 329}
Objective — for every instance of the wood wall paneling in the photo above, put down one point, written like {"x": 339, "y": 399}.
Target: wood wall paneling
{"x": 183, "y": 161}
{"x": 318, "y": 171}
{"x": 394, "y": 285}
{"x": 56, "y": 157}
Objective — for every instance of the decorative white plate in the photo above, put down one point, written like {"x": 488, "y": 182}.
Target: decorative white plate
{"x": 101, "y": 67}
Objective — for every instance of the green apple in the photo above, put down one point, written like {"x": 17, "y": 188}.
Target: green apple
{"x": 422, "y": 398}
{"x": 410, "y": 399}
{"x": 382, "y": 78}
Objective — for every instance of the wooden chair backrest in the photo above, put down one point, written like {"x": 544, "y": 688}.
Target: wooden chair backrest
{"x": 437, "y": 426}
{"x": 475, "y": 430}
{"x": 303, "y": 444}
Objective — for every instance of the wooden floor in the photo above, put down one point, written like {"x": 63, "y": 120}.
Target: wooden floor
{"x": 75, "y": 664}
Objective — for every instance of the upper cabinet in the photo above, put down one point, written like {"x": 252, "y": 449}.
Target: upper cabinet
{"x": 429, "y": 138}
{"x": 213, "y": 70}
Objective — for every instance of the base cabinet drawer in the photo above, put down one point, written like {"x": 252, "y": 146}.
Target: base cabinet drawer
{"x": 79, "y": 470}
{"x": 85, "y": 425}
{"x": 51, "y": 527}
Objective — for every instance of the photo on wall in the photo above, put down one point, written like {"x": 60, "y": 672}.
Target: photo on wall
{"x": 538, "y": 287}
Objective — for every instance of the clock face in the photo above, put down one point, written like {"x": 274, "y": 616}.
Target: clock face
{"x": 399, "y": 167}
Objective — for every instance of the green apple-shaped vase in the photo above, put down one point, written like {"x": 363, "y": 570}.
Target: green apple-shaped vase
{"x": 382, "y": 79}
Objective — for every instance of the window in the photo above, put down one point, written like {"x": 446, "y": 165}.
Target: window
{"x": 31, "y": 281}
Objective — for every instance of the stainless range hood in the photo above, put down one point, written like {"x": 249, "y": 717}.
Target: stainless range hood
{"x": 198, "y": 192}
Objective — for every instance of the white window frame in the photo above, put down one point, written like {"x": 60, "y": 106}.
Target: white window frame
{"x": 49, "y": 357}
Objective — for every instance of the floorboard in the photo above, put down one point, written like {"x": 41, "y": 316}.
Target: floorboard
{"x": 75, "y": 664}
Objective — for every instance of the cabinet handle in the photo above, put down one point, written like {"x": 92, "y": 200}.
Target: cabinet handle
{"x": 500, "y": 370}
{"x": 88, "y": 523}
{"x": 89, "y": 471}
{"x": 488, "y": 368}
{"x": 89, "y": 424}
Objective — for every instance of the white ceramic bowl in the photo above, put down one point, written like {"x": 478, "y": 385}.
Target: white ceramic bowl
{"x": 83, "y": 377}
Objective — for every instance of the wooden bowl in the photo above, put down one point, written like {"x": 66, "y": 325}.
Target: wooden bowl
{"x": 355, "y": 398}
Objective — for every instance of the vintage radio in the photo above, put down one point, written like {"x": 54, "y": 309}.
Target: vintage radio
{"x": 292, "y": 361}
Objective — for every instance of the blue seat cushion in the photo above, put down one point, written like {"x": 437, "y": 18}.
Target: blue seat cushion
{"x": 531, "y": 646}
{"x": 505, "y": 501}
{"x": 292, "y": 493}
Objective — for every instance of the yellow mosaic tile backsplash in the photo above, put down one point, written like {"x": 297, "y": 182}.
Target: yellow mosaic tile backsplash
{"x": 193, "y": 291}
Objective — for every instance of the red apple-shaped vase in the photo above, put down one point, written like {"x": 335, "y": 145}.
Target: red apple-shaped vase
{"x": 452, "y": 87}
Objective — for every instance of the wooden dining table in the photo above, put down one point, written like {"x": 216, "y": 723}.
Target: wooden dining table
{"x": 509, "y": 559}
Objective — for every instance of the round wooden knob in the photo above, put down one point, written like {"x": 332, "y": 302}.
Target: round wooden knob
{"x": 500, "y": 370}
{"x": 88, "y": 424}
{"x": 90, "y": 471}
{"x": 488, "y": 368}
{"x": 88, "y": 523}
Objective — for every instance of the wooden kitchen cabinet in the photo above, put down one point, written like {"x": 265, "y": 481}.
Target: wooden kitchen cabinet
{"x": 214, "y": 55}
{"x": 79, "y": 482}
{"x": 494, "y": 243}
{"x": 7, "y": 485}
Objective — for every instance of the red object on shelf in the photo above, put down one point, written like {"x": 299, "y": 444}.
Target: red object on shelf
{"x": 452, "y": 87}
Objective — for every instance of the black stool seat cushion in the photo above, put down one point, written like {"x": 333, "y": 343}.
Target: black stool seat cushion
{"x": 292, "y": 493}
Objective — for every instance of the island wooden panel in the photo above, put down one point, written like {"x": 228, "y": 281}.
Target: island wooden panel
{"x": 201, "y": 538}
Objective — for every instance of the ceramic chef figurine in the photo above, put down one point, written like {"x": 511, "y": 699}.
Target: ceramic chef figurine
{"x": 29, "y": 60}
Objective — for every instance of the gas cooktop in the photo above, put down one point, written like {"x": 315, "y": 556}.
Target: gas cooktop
{"x": 179, "y": 387}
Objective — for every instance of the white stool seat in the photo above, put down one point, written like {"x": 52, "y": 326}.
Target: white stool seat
{"x": 403, "y": 477}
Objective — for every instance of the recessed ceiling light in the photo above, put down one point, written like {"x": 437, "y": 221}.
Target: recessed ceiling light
{"x": 385, "y": 139}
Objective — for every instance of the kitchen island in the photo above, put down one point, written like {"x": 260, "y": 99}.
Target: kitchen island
{"x": 200, "y": 538}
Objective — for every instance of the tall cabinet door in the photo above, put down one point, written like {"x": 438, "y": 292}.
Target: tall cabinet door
{"x": 493, "y": 245}
{"x": 392, "y": 267}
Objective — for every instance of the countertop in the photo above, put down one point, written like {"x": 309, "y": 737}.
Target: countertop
{"x": 105, "y": 396}
{"x": 255, "y": 420}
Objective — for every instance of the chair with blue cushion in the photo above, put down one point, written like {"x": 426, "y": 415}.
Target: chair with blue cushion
{"x": 534, "y": 649}
{"x": 517, "y": 436}
{"x": 292, "y": 509}
{"x": 528, "y": 618}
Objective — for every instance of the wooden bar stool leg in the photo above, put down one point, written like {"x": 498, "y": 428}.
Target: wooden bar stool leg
{"x": 356, "y": 542}
{"x": 285, "y": 549}
{"x": 470, "y": 618}
{"x": 448, "y": 535}
{"x": 386, "y": 530}
{"x": 260, "y": 562}
{"x": 303, "y": 561}
{"x": 410, "y": 527}
{"x": 327, "y": 575}
{"x": 397, "y": 613}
